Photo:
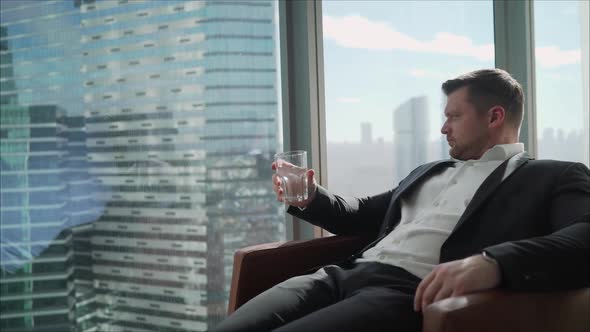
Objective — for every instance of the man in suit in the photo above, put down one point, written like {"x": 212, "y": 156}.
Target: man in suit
{"x": 488, "y": 217}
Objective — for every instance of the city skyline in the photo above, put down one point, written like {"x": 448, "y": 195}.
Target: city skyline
{"x": 393, "y": 56}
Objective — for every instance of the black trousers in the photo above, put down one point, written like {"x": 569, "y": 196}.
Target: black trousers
{"x": 365, "y": 297}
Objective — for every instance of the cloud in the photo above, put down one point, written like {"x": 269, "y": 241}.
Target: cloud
{"x": 439, "y": 74}
{"x": 348, "y": 100}
{"x": 426, "y": 73}
{"x": 418, "y": 73}
{"x": 552, "y": 56}
{"x": 356, "y": 31}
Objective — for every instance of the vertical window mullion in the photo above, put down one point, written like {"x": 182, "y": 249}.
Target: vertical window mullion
{"x": 302, "y": 91}
{"x": 514, "y": 45}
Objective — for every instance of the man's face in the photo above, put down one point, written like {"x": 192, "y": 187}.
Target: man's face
{"x": 465, "y": 128}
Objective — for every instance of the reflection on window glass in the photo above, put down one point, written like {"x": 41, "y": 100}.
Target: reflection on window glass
{"x": 137, "y": 138}
{"x": 384, "y": 64}
{"x": 561, "y": 60}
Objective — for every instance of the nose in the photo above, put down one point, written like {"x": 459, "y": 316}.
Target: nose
{"x": 445, "y": 128}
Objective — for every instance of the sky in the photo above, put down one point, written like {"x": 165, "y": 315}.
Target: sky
{"x": 378, "y": 54}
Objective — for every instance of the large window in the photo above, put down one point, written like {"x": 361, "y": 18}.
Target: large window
{"x": 384, "y": 64}
{"x": 136, "y": 140}
{"x": 561, "y": 59}
{"x": 136, "y": 137}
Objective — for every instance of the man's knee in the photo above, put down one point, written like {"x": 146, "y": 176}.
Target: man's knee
{"x": 304, "y": 282}
{"x": 284, "y": 302}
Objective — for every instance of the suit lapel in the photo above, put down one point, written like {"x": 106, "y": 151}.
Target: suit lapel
{"x": 410, "y": 181}
{"x": 490, "y": 185}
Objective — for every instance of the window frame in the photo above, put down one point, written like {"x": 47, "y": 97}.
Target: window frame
{"x": 302, "y": 74}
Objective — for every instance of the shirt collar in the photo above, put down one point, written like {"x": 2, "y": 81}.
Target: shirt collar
{"x": 500, "y": 152}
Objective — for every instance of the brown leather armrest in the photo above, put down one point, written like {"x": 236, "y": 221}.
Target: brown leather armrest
{"x": 259, "y": 267}
{"x": 496, "y": 310}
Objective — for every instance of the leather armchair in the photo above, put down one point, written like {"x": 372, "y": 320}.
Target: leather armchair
{"x": 257, "y": 268}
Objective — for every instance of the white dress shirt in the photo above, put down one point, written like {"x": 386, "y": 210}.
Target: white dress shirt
{"x": 430, "y": 213}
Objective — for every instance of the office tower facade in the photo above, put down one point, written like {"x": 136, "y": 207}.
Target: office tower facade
{"x": 410, "y": 135}
{"x": 47, "y": 201}
{"x": 36, "y": 267}
{"x": 144, "y": 127}
{"x": 169, "y": 130}
{"x": 7, "y": 84}
{"x": 83, "y": 208}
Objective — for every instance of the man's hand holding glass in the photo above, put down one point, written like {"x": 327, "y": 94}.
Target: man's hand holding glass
{"x": 293, "y": 183}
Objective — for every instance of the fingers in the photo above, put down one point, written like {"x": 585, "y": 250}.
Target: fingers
{"x": 311, "y": 178}
{"x": 430, "y": 292}
{"x": 420, "y": 290}
{"x": 276, "y": 187}
{"x": 446, "y": 280}
{"x": 296, "y": 185}
{"x": 283, "y": 163}
{"x": 443, "y": 293}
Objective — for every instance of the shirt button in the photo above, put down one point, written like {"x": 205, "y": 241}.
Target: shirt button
{"x": 453, "y": 181}
{"x": 436, "y": 203}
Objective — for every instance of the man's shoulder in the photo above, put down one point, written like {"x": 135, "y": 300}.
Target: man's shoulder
{"x": 551, "y": 166}
{"x": 553, "y": 163}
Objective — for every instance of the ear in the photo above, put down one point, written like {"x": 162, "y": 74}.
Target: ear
{"x": 496, "y": 116}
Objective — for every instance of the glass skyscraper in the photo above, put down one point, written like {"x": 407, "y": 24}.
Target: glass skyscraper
{"x": 410, "y": 135}
{"x": 37, "y": 270}
{"x": 145, "y": 132}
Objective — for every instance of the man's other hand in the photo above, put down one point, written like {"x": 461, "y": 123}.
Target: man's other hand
{"x": 311, "y": 188}
{"x": 456, "y": 278}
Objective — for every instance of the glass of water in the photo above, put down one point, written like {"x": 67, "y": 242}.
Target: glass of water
{"x": 291, "y": 168}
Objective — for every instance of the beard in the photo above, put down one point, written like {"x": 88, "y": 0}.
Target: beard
{"x": 459, "y": 152}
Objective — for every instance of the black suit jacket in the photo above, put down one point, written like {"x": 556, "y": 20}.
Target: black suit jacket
{"x": 535, "y": 223}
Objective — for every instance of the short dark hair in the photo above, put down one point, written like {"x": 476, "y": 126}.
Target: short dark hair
{"x": 490, "y": 87}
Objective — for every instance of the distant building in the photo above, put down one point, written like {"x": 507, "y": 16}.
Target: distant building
{"x": 366, "y": 133}
{"x": 410, "y": 135}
